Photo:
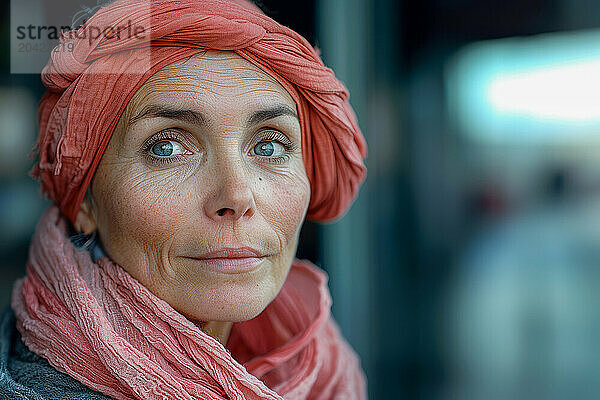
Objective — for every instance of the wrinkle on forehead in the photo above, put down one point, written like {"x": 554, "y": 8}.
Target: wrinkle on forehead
{"x": 204, "y": 73}
{"x": 236, "y": 70}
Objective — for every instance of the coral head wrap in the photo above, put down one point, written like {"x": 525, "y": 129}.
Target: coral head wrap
{"x": 96, "y": 70}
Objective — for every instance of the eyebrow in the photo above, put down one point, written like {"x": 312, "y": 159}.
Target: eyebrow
{"x": 157, "y": 111}
{"x": 196, "y": 118}
{"x": 270, "y": 113}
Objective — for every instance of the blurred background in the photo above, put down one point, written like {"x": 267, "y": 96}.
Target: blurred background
{"x": 468, "y": 266}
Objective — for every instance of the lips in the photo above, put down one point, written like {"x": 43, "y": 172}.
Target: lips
{"x": 231, "y": 260}
{"x": 231, "y": 252}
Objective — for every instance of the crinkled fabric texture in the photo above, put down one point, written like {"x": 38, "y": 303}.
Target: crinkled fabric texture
{"x": 96, "y": 323}
{"x": 89, "y": 87}
{"x": 25, "y": 375}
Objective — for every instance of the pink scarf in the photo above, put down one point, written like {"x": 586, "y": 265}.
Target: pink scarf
{"x": 98, "y": 324}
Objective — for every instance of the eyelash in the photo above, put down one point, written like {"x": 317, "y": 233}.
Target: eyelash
{"x": 266, "y": 136}
{"x": 275, "y": 136}
{"x": 159, "y": 137}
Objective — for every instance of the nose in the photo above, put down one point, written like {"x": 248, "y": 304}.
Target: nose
{"x": 232, "y": 196}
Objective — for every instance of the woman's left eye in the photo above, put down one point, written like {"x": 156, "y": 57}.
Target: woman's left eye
{"x": 269, "y": 149}
{"x": 166, "y": 148}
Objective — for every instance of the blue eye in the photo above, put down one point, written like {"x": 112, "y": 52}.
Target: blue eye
{"x": 166, "y": 148}
{"x": 269, "y": 149}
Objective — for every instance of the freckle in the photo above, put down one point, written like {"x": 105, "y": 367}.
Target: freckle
{"x": 259, "y": 178}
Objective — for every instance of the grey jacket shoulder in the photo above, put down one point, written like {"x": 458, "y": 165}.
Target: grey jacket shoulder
{"x": 25, "y": 375}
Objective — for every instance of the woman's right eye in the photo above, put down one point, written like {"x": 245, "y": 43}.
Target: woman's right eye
{"x": 166, "y": 148}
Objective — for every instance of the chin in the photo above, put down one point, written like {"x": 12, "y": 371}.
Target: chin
{"x": 231, "y": 302}
{"x": 205, "y": 296}
{"x": 243, "y": 311}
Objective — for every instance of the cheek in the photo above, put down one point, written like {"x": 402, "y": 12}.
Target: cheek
{"x": 138, "y": 208}
{"x": 285, "y": 202}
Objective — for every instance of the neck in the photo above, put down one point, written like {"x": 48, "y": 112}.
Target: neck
{"x": 217, "y": 329}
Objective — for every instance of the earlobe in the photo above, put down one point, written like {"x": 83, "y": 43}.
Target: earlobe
{"x": 85, "y": 222}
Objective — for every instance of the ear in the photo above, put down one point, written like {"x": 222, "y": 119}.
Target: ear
{"x": 85, "y": 222}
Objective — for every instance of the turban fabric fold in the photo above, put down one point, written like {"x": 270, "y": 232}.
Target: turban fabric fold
{"x": 90, "y": 81}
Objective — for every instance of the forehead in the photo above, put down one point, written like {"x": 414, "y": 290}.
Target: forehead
{"x": 214, "y": 80}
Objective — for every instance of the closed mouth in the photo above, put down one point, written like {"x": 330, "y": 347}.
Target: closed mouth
{"x": 231, "y": 260}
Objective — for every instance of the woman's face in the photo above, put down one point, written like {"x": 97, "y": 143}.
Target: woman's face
{"x": 201, "y": 192}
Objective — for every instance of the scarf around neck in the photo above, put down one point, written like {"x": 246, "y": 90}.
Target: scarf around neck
{"x": 96, "y": 323}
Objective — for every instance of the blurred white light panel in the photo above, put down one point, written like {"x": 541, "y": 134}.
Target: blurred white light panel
{"x": 539, "y": 89}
